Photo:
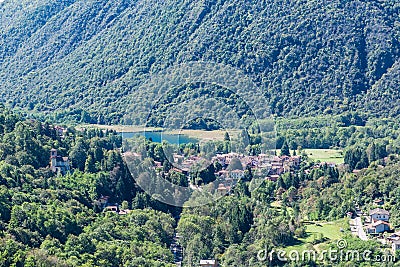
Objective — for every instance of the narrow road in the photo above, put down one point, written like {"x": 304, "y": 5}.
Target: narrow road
{"x": 360, "y": 230}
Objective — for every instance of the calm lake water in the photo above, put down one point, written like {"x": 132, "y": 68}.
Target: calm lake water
{"x": 160, "y": 136}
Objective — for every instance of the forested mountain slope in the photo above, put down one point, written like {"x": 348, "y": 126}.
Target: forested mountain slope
{"x": 84, "y": 59}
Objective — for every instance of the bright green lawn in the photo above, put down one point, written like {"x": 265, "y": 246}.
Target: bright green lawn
{"x": 329, "y": 230}
{"x": 325, "y": 155}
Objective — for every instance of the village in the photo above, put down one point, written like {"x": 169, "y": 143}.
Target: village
{"x": 371, "y": 225}
{"x": 265, "y": 166}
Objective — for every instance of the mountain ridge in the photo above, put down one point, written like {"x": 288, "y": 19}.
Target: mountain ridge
{"x": 309, "y": 57}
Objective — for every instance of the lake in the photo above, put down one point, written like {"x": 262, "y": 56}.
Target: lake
{"x": 158, "y": 137}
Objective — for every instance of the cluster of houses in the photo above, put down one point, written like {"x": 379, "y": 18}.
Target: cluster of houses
{"x": 267, "y": 166}
{"x": 283, "y": 164}
{"x": 185, "y": 164}
{"x": 228, "y": 179}
{"x": 276, "y": 165}
{"x": 377, "y": 225}
{"x": 263, "y": 165}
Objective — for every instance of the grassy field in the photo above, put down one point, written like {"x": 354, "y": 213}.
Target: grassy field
{"x": 330, "y": 230}
{"x": 323, "y": 155}
{"x": 320, "y": 235}
{"x": 204, "y": 135}
{"x": 326, "y": 155}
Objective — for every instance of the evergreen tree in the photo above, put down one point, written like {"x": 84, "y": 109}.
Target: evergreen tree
{"x": 227, "y": 137}
{"x": 280, "y": 183}
{"x": 285, "y": 149}
{"x": 78, "y": 155}
{"x": 90, "y": 165}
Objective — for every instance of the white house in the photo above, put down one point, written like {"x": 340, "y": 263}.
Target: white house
{"x": 379, "y": 215}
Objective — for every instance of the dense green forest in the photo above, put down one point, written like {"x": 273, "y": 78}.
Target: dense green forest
{"x": 47, "y": 219}
{"x": 81, "y": 60}
{"x": 53, "y": 220}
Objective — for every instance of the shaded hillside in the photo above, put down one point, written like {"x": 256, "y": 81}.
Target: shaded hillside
{"x": 84, "y": 59}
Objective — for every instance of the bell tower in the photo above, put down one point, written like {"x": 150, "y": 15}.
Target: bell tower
{"x": 53, "y": 159}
